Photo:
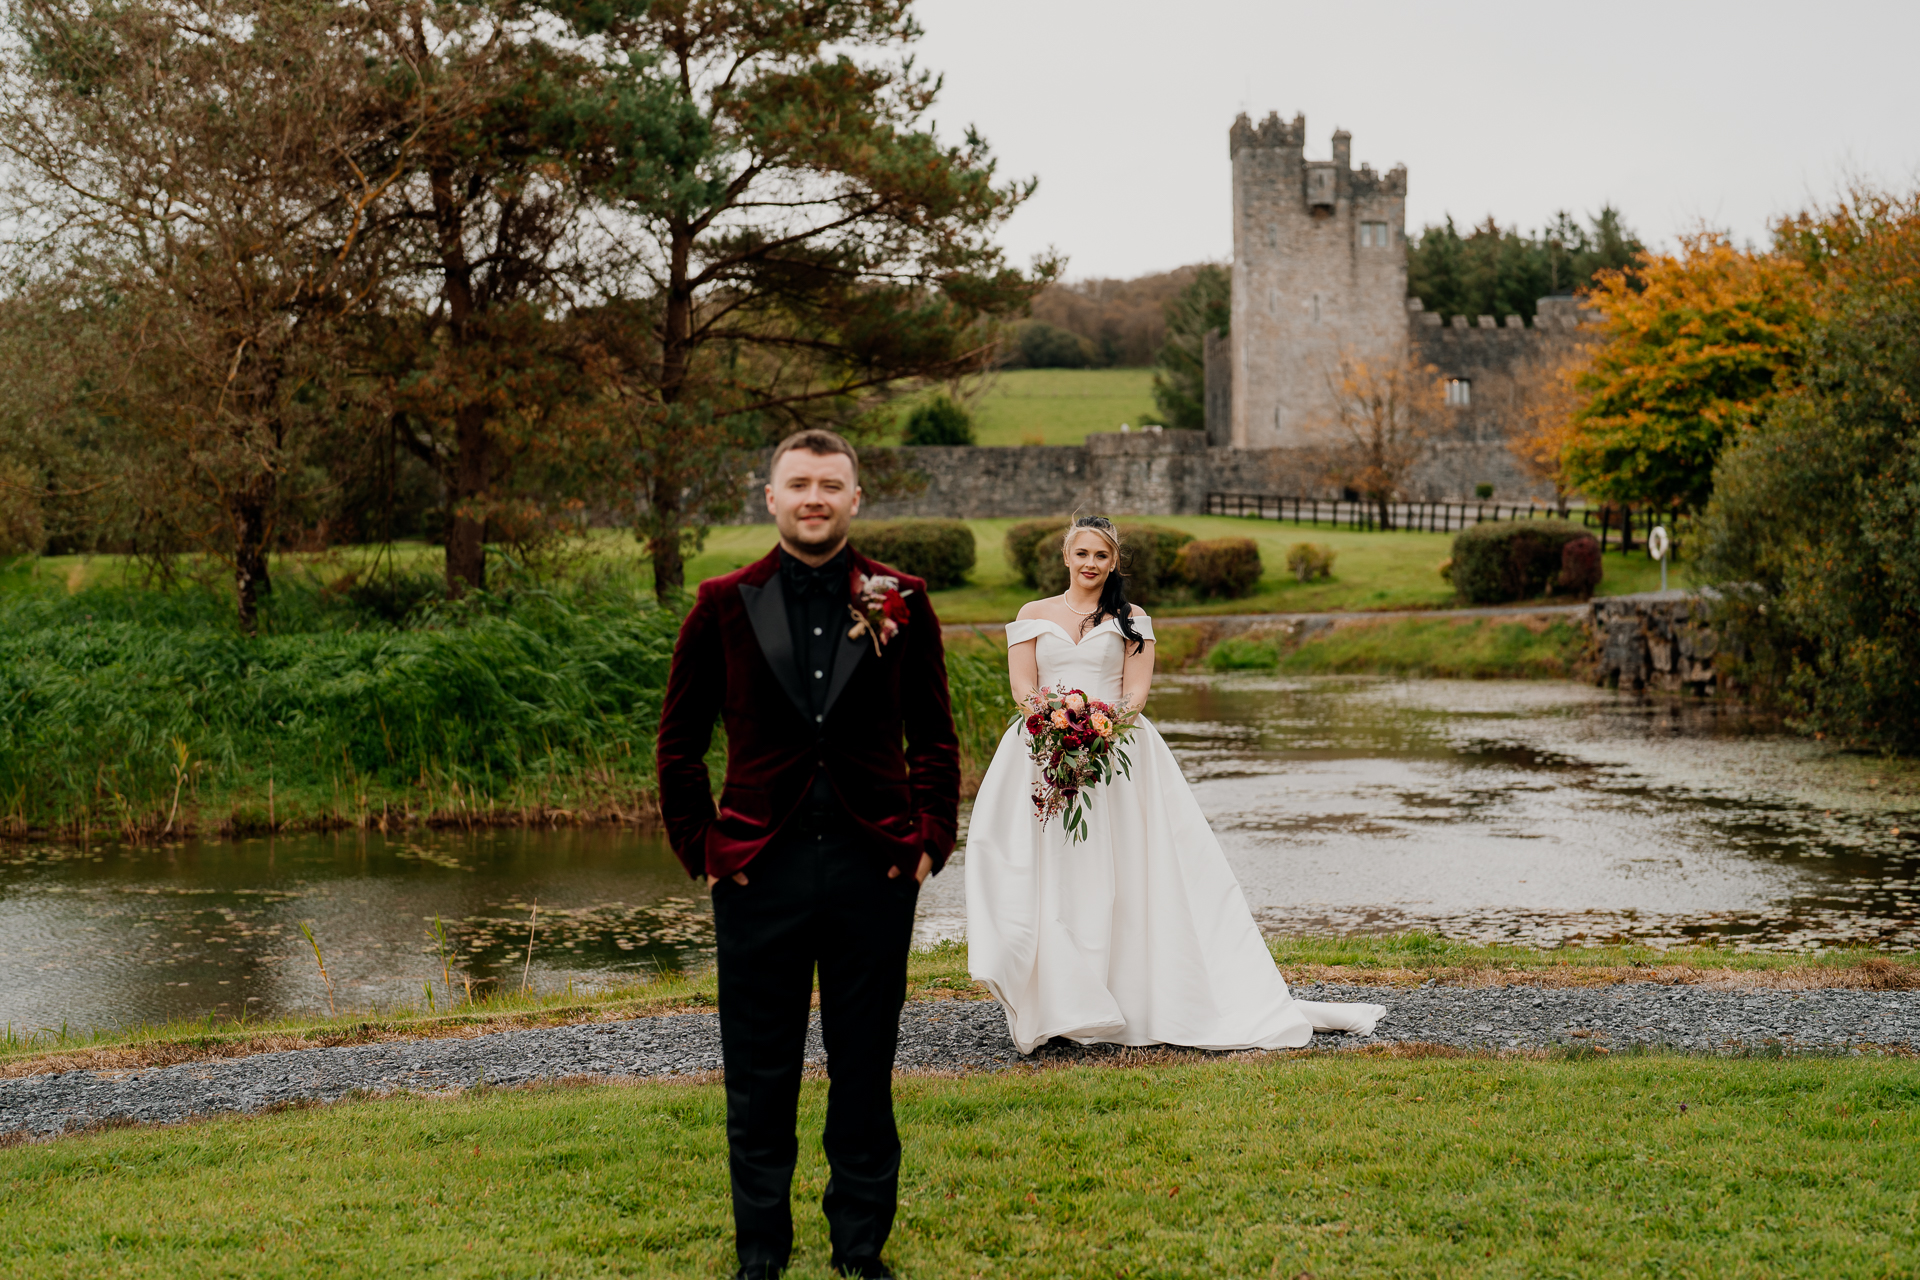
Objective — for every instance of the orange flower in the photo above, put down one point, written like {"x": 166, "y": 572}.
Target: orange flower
{"x": 1061, "y": 720}
{"x": 1102, "y": 725}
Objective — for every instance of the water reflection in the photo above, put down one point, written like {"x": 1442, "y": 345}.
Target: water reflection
{"x": 123, "y": 935}
{"x": 1541, "y": 813}
{"x": 1544, "y": 813}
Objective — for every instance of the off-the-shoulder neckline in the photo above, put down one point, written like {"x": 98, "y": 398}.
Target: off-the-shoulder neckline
{"x": 1062, "y": 631}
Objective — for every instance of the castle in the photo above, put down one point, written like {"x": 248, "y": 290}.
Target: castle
{"x": 1319, "y": 275}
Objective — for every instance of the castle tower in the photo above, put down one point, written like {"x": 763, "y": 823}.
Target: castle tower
{"x": 1319, "y": 270}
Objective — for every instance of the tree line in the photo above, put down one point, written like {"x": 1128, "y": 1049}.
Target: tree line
{"x": 277, "y": 267}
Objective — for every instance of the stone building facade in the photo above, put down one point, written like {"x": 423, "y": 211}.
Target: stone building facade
{"x": 1319, "y": 276}
{"x": 1319, "y": 271}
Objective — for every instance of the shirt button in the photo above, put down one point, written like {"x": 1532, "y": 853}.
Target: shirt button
{"x": 819, "y": 719}
{"x": 819, "y": 675}
{"x": 816, "y": 631}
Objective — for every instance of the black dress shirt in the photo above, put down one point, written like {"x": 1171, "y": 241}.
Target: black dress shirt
{"x": 816, "y": 600}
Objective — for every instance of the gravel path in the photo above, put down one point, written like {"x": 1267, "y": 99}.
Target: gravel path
{"x": 957, "y": 1035}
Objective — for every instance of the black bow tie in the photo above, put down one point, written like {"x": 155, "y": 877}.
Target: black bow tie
{"x": 829, "y": 579}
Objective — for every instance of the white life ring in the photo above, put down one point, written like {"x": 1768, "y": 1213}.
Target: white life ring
{"x": 1658, "y": 544}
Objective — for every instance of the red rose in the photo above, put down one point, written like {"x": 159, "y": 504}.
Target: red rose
{"x": 1035, "y": 723}
{"x": 894, "y": 606}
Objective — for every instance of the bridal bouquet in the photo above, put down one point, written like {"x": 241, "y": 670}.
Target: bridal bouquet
{"x": 1078, "y": 742}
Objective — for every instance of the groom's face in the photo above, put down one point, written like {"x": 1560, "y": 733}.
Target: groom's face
{"x": 813, "y": 498}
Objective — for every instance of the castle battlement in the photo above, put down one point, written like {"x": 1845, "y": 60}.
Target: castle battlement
{"x": 1271, "y": 132}
{"x": 1554, "y": 316}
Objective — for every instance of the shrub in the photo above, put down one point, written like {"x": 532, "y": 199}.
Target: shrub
{"x": 23, "y": 530}
{"x": 1509, "y": 560}
{"x": 941, "y": 551}
{"x": 1483, "y": 491}
{"x": 1025, "y": 542}
{"x": 1310, "y": 560}
{"x": 1243, "y": 653}
{"x": 1579, "y": 567}
{"x": 1224, "y": 567}
{"x": 938, "y": 421}
{"x": 1149, "y": 556}
{"x": 1044, "y": 346}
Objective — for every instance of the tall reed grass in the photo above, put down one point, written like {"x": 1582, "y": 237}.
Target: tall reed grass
{"x": 982, "y": 706}
{"x": 112, "y": 701}
{"x": 130, "y": 712}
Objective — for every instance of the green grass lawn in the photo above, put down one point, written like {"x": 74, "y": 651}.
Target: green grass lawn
{"x": 1060, "y": 406}
{"x": 1329, "y": 1165}
{"x": 1448, "y": 648}
{"x": 1050, "y": 406}
{"x": 1371, "y": 570}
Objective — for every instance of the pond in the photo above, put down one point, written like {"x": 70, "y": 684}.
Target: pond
{"x": 1539, "y": 813}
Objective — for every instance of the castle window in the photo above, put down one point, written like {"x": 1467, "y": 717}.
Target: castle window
{"x": 1459, "y": 392}
{"x": 1373, "y": 235}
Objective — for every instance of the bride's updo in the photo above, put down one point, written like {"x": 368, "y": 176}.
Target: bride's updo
{"x": 1113, "y": 595}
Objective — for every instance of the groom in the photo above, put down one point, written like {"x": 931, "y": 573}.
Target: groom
{"x": 825, "y": 829}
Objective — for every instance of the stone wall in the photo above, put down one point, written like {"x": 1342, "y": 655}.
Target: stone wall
{"x": 1657, "y": 640}
{"x": 1165, "y": 473}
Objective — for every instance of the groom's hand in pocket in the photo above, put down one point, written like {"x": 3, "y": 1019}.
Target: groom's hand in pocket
{"x": 738, "y": 877}
{"x": 920, "y": 873}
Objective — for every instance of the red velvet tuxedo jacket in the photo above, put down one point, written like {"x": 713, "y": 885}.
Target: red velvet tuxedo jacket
{"x": 886, "y": 743}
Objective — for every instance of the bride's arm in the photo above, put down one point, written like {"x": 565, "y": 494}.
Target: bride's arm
{"x": 1136, "y": 676}
{"x": 1023, "y": 669}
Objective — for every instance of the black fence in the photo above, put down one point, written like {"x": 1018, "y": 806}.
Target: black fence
{"x": 1624, "y": 528}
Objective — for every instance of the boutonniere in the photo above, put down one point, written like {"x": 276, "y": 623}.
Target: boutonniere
{"x": 879, "y": 608}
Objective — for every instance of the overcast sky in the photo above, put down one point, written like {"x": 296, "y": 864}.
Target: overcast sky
{"x": 1677, "y": 113}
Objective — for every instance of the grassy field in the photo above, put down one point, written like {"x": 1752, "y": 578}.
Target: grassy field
{"x": 1056, "y": 406}
{"x": 1371, "y": 571}
{"x": 1447, "y": 648}
{"x": 1060, "y": 406}
{"x": 1329, "y": 1165}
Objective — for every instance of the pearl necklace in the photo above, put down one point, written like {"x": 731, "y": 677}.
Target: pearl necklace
{"x": 1085, "y": 613}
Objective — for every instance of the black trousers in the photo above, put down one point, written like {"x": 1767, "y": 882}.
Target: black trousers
{"x": 812, "y": 900}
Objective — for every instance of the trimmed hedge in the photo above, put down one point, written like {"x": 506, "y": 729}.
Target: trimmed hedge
{"x": 1023, "y": 544}
{"x": 1503, "y": 561}
{"x": 941, "y": 551}
{"x": 1223, "y": 567}
{"x": 1580, "y": 567}
{"x": 1149, "y": 556}
{"x": 1310, "y": 560}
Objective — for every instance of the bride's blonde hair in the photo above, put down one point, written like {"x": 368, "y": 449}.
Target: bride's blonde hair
{"x": 1096, "y": 524}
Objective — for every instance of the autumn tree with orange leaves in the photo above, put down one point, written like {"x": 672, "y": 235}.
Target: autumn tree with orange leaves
{"x": 1385, "y": 412}
{"x": 1696, "y": 346}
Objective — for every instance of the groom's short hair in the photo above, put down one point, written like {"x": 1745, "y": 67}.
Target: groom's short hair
{"x": 816, "y": 440}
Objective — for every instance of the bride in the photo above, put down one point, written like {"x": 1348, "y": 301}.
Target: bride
{"x": 1138, "y": 935}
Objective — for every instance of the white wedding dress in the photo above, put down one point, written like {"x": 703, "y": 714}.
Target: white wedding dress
{"x": 1138, "y": 935}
